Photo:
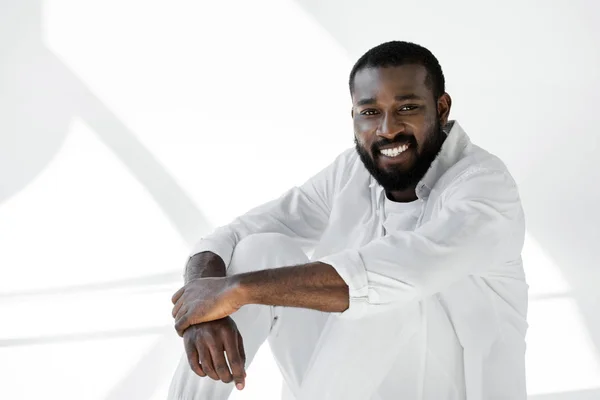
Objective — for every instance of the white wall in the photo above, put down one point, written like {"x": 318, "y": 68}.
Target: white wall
{"x": 129, "y": 128}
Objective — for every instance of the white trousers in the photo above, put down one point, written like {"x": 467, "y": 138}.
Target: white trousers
{"x": 320, "y": 355}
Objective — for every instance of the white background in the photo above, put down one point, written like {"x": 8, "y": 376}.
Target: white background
{"x": 129, "y": 128}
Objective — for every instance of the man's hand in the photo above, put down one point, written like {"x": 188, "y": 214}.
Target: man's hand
{"x": 203, "y": 300}
{"x": 205, "y": 344}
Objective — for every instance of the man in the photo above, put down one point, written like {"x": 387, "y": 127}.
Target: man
{"x": 415, "y": 288}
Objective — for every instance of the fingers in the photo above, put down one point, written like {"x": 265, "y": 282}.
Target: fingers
{"x": 240, "y": 342}
{"x": 177, "y": 307}
{"x": 177, "y": 295}
{"x": 193, "y": 358}
{"x": 216, "y": 350}
{"x": 221, "y": 367}
{"x": 236, "y": 361}
{"x": 207, "y": 362}
{"x": 182, "y": 321}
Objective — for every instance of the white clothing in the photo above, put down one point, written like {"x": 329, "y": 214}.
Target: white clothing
{"x": 313, "y": 349}
{"x": 455, "y": 264}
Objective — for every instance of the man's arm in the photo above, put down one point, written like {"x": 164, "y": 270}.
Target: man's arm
{"x": 302, "y": 213}
{"x": 314, "y": 285}
{"x": 480, "y": 224}
{"x": 479, "y": 227}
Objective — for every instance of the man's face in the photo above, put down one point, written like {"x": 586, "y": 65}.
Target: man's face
{"x": 397, "y": 126}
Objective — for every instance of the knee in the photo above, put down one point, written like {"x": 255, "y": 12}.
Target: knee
{"x": 265, "y": 250}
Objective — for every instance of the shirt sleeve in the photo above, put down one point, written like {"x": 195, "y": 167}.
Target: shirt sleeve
{"x": 479, "y": 222}
{"x": 301, "y": 213}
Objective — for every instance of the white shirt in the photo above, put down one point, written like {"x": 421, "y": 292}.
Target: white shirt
{"x": 456, "y": 251}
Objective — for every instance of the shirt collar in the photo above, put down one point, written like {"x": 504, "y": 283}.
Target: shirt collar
{"x": 452, "y": 148}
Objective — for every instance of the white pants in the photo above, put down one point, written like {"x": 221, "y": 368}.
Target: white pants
{"x": 320, "y": 355}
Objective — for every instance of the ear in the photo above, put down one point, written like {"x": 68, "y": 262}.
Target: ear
{"x": 444, "y": 104}
{"x": 352, "y": 112}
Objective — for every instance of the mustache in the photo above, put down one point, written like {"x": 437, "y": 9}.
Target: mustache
{"x": 399, "y": 140}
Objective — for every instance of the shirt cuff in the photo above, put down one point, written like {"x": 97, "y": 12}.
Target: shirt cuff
{"x": 221, "y": 249}
{"x": 350, "y": 267}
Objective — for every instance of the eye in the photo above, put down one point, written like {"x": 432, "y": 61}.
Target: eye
{"x": 408, "y": 107}
{"x": 369, "y": 111}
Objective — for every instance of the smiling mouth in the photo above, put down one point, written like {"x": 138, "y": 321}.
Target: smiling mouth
{"x": 395, "y": 151}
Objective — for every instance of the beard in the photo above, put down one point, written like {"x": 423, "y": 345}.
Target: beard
{"x": 399, "y": 178}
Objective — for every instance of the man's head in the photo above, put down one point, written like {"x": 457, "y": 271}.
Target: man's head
{"x": 399, "y": 107}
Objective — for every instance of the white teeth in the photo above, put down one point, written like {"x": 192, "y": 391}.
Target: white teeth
{"x": 395, "y": 151}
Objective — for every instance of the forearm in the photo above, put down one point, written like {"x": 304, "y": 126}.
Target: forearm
{"x": 204, "y": 265}
{"x": 314, "y": 285}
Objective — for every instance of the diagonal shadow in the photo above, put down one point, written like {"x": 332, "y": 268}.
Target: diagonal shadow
{"x": 53, "y": 98}
{"x": 172, "y": 199}
{"x": 39, "y": 97}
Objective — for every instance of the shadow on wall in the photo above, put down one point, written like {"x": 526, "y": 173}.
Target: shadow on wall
{"x": 38, "y": 98}
{"x": 545, "y": 102}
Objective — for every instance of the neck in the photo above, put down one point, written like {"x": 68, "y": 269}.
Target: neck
{"x": 403, "y": 196}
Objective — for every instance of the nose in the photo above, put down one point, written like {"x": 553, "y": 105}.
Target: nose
{"x": 389, "y": 127}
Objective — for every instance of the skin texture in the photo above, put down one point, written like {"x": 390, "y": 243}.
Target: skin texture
{"x": 316, "y": 285}
{"x": 206, "y": 342}
{"x": 391, "y": 106}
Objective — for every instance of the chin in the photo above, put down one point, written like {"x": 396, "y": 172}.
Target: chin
{"x": 403, "y": 167}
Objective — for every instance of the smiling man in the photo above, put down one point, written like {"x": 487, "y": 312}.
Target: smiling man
{"x": 414, "y": 288}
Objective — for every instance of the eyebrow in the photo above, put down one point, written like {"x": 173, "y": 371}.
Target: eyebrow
{"x": 372, "y": 100}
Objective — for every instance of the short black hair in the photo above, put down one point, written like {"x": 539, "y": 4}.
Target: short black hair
{"x": 396, "y": 53}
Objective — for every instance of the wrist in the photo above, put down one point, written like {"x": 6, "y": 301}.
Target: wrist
{"x": 241, "y": 289}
